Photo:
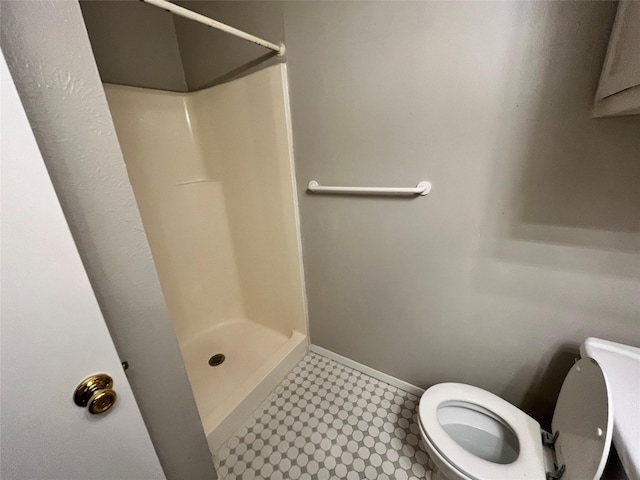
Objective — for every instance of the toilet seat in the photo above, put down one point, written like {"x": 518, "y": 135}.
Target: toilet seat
{"x": 530, "y": 461}
{"x": 578, "y": 449}
{"x": 439, "y": 458}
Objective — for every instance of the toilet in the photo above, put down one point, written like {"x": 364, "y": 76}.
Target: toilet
{"x": 472, "y": 434}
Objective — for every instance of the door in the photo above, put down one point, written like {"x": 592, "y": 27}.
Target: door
{"x": 52, "y": 334}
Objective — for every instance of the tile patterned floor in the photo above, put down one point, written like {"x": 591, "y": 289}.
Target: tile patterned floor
{"x": 326, "y": 421}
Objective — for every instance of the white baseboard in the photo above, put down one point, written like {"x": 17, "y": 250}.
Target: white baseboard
{"x": 372, "y": 372}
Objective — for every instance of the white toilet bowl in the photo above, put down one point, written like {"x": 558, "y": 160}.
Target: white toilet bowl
{"x": 472, "y": 434}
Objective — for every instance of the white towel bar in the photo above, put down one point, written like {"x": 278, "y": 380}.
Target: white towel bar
{"x": 422, "y": 188}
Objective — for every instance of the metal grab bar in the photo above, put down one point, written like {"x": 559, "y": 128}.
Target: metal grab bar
{"x": 423, "y": 188}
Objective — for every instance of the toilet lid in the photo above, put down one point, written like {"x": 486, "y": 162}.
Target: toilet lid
{"x": 584, "y": 419}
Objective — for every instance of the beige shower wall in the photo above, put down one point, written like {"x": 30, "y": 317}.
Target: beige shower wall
{"x": 212, "y": 172}
{"x": 243, "y": 128}
{"x": 182, "y": 208}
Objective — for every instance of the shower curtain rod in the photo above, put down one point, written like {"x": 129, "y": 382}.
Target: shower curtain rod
{"x": 209, "y": 22}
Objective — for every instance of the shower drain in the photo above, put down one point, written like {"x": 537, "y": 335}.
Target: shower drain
{"x": 216, "y": 360}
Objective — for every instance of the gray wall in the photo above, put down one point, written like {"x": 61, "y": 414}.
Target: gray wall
{"x": 530, "y": 239}
{"x": 210, "y": 57}
{"x": 144, "y": 46}
{"x": 48, "y": 52}
{"x": 134, "y": 44}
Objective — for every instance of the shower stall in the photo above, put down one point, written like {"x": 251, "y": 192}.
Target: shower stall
{"x": 212, "y": 173}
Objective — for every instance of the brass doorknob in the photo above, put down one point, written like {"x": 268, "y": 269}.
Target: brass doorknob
{"x": 95, "y": 393}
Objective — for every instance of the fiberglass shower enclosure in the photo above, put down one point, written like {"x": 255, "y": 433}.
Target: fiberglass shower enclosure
{"x": 212, "y": 172}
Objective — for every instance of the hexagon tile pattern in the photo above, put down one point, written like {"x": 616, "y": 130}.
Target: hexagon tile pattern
{"x": 326, "y": 421}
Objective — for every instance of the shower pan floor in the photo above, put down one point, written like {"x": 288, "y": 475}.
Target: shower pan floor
{"x": 256, "y": 359}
